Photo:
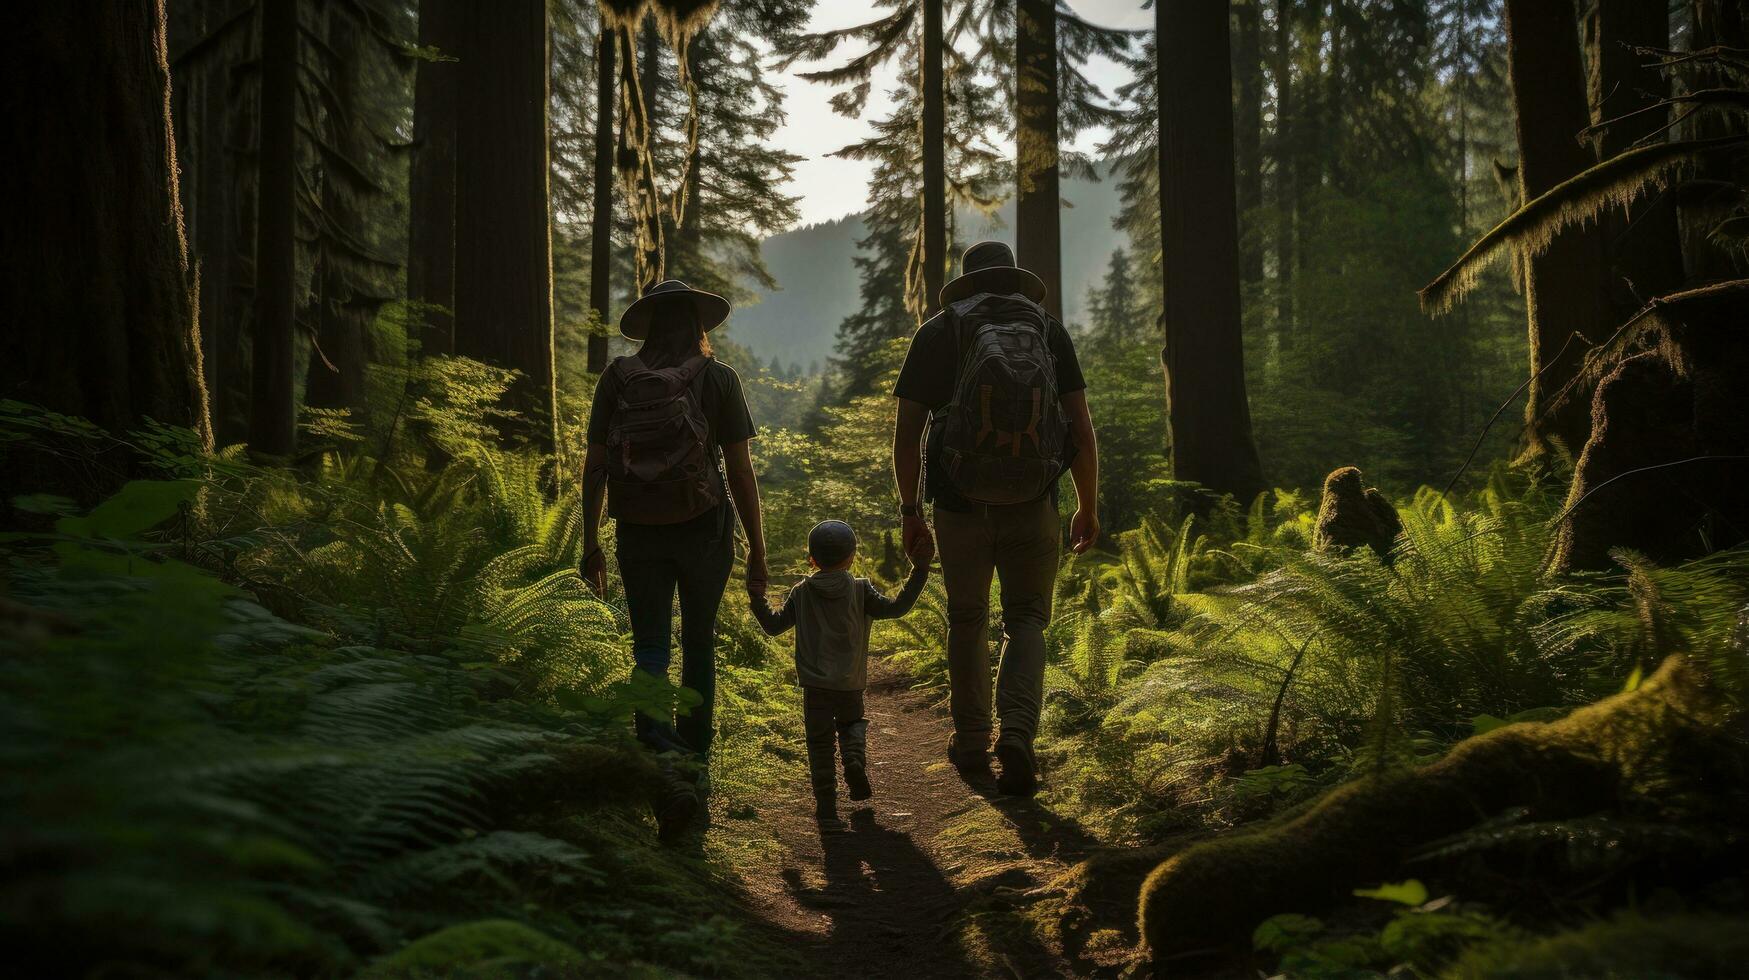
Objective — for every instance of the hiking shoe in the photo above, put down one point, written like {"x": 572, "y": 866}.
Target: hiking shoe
{"x": 1019, "y": 776}
{"x": 676, "y": 812}
{"x": 825, "y": 809}
{"x": 969, "y": 762}
{"x": 856, "y": 777}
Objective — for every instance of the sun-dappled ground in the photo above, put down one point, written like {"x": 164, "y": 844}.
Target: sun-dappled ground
{"x": 934, "y": 877}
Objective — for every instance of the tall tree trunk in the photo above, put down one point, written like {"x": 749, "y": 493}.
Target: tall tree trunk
{"x": 1037, "y": 206}
{"x": 96, "y": 297}
{"x": 432, "y": 190}
{"x": 335, "y": 376}
{"x": 1564, "y": 286}
{"x": 1204, "y": 355}
{"x": 1248, "y": 136}
{"x": 503, "y": 283}
{"x": 691, "y": 226}
{"x": 272, "y": 349}
{"x": 1645, "y": 246}
{"x": 1286, "y": 181}
{"x": 206, "y": 104}
{"x": 1712, "y": 195}
{"x": 601, "y": 218}
{"x": 934, "y": 250}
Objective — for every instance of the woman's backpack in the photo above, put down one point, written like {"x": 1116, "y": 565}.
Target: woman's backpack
{"x": 660, "y": 467}
{"x": 1003, "y": 434}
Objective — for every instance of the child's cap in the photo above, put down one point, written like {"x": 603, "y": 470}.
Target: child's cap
{"x": 830, "y": 542}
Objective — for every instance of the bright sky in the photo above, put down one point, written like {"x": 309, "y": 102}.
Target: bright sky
{"x": 830, "y": 187}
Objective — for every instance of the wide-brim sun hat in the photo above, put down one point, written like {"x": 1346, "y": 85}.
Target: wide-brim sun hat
{"x": 988, "y": 267}
{"x": 712, "y": 310}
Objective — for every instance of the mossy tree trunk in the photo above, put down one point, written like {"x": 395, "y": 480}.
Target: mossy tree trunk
{"x": 1204, "y": 355}
{"x": 432, "y": 189}
{"x": 503, "y": 265}
{"x": 1037, "y": 205}
{"x": 273, "y": 338}
{"x": 1645, "y": 258}
{"x": 1564, "y": 286}
{"x": 934, "y": 217}
{"x": 208, "y": 44}
{"x": 98, "y": 302}
{"x": 601, "y": 218}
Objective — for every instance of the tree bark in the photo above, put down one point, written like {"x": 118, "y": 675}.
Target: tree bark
{"x": 503, "y": 283}
{"x": 1248, "y": 134}
{"x": 934, "y": 251}
{"x": 1286, "y": 183}
{"x": 1713, "y": 195}
{"x": 432, "y": 191}
{"x": 1037, "y": 206}
{"x": 1204, "y": 355}
{"x": 96, "y": 280}
{"x": 205, "y": 107}
{"x": 1564, "y": 286}
{"x": 272, "y": 349}
{"x": 1645, "y": 246}
{"x": 335, "y": 376}
{"x": 601, "y": 218}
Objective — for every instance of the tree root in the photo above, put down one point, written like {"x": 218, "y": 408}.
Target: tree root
{"x": 1642, "y": 741}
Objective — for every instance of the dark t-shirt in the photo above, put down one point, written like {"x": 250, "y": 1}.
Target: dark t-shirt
{"x": 932, "y": 366}
{"x": 720, "y": 396}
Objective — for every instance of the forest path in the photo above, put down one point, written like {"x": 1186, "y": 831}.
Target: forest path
{"x": 931, "y": 878}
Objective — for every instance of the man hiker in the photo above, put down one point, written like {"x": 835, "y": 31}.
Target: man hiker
{"x": 995, "y": 380}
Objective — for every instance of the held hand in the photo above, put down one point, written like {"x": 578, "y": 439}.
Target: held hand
{"x": 594, "y": 570}
{"x": 915, "y": 529}
{"x": 1083, "y": 530}
{"x": 757, "y": 576}
{"x": 922, "y": 551}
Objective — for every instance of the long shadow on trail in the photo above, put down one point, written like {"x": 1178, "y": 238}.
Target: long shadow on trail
{"x": 889, "y": 904}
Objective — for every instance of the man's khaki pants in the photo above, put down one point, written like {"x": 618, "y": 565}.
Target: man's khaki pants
{"x": 1018, "y": 543}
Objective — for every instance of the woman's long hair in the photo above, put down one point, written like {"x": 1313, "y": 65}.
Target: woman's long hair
{"x": 675, "y": 334}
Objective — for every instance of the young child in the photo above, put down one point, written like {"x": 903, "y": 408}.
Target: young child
{"x": 831, "y": 612}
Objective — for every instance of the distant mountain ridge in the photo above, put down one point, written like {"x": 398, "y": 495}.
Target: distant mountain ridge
{"x": 818, "y": 281}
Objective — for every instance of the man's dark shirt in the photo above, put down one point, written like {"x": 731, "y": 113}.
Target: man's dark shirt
{"x": 932, "y": 366}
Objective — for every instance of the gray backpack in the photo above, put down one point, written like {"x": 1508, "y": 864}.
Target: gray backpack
{"x": 1003, "y": 435}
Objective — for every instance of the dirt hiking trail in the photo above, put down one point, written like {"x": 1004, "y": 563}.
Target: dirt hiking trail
{"x": 934, "y": 877}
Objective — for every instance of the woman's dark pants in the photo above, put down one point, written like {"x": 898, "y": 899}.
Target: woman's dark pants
{"x": 655, "y": 561}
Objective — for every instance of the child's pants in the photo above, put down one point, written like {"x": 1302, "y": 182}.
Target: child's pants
{"x": 833, "y": 717}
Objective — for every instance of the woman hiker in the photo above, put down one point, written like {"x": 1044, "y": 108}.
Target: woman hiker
{"x": 668, "y": 440}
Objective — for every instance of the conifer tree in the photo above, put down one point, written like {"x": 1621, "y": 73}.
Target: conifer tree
{"x": 432, "y": 187}
{"x": 97, "y": 280}
{"x": 1564, "y": 286}
{"x": 894, "y": 286}
{"x": 503, "y": 275}
{"x": 1204, "y": 353}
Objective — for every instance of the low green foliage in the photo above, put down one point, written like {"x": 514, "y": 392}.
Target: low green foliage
{"x": 363, "y": 716}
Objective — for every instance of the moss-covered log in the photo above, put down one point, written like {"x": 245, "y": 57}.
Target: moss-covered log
{"x": 1361, "y": 834}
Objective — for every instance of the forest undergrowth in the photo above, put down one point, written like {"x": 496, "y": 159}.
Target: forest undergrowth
{"x": 358, "y": 713}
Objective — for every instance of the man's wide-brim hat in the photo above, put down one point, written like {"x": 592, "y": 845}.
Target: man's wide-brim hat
{"x": 712, "y": 309}
{"x": 988, "y": 267}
